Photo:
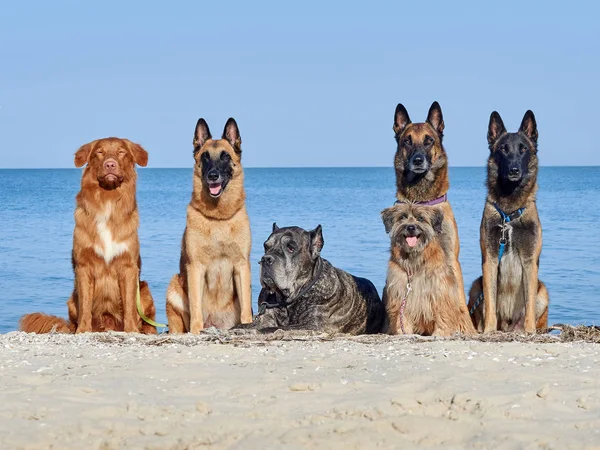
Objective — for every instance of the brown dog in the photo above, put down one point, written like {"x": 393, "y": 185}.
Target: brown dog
{"x": 422, "y": 173}
{"x": 510, "y": 296}
{"x": 213, "y": 285}
{"x": 106, "y": 249}
{"x": 422, "y": 294}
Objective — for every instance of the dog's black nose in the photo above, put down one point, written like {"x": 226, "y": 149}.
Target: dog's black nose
{"x": 411, "y": 228}
{"x": 514, "y": 171}
{"x": 267, "y": 260}
{"x": 418, "y": 159}
{"x": 213, "y": 175}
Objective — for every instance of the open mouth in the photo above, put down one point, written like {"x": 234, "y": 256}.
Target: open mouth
{"x": 215, "y": 189}
{"x": 412, "y": 240}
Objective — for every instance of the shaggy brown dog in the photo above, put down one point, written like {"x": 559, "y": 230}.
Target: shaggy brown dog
{"x": 213, "y": 285}
{"x": 510, "y": 235}
{"x": 106, "y": 249}
{"x": 422, "y": 172}
{"x": 422, "y": 294}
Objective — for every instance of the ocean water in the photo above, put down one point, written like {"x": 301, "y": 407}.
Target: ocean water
{"x": 37, "y": 223}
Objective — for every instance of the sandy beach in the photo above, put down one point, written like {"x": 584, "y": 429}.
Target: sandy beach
{"x": 294, "y": 390}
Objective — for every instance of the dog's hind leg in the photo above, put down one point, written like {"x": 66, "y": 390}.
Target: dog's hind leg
{"x": 148, "y": 308}
{"x": 475, "y": 308}
{"x": 541, "y": 307}
{"x": 177, "y": 304}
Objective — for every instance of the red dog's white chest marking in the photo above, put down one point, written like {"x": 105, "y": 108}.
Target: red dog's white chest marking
{"x": 108, "y": 247}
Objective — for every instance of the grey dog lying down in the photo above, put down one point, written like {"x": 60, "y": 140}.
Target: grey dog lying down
{"x": 301, "y": 290}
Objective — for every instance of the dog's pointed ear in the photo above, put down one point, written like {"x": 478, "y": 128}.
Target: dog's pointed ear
{"x": 275, "y": 227}
{"x": 438, "y": 221}
{"x": 140, "y": 156}
{"x": 82, "y": 156}
{"x": 401, "y": 120}
{"x": 201, "y": 134}
{"x": 231, "y": 133}
{"x": 388, "y": 216}
{"x": 316, "y": 242}
{"x": 435, "y": 118}
{"x": 529, "y": 126}
{"x": 495, "y": 128}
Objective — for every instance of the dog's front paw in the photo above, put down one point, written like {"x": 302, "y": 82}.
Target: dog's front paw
{"x": 83, "y": 329}
{"x": 246, "y": 319}
{"x": 529, "y": 327}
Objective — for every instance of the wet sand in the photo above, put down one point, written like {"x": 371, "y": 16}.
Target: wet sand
{"x": 296, "y": 390}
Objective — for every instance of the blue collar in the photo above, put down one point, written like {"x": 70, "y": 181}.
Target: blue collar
{"x": 509, "y": 217}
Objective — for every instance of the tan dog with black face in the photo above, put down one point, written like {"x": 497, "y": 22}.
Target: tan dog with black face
{"x": 106, "y": 248}
{"x": 422, "y": 172}
{"x": 422, "y": 294}
{"x": 213, "y": 285}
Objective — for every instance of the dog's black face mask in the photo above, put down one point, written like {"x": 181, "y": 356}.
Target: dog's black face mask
{"x": 513, "y": 154}
{"x": 217, "y": 171}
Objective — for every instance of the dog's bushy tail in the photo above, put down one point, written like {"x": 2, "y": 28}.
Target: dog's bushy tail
{"x": 43, "y": 323}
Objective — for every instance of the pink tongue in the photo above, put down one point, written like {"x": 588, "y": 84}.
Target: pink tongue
{"x": 411, "y": 241}
{"x": 215, "y": 189}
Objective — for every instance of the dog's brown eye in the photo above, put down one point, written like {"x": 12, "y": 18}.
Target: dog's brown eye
{"x": 420, "y": 219}
{"x": 428, "y": 140}
{"x": 403, "y": 217}
{"x": 225, "y": 156}
{"x": 407, "y": 141}
{"x": 523, "y": 149}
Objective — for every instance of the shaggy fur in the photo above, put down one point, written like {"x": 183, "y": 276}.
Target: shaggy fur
{"x": 434, "y": 306}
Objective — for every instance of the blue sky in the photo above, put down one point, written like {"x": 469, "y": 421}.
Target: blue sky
{"x": 310, "y": 83}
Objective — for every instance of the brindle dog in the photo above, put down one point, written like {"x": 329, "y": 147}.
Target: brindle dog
{"x": 510, "y": 235}
{"x": 422, "y": 172}
{"x": 301, "y": 290}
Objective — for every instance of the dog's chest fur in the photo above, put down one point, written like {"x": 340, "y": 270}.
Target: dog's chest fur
{"x": 105, "y": 245}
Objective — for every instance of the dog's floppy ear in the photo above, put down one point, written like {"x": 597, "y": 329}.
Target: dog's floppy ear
{"x": 435, "y": 118}
{"x": 529, "y": 126}
{"x": 437, "y": 221}
{"x": 495, "y": 128}
{"x": 316, "y": 242}
{"x": 201, "y": 134}
{"x": 401, "y": 120}
{"x": 140, "y": 156}
{"x": 275, "y": 227}
{"x": 231, "y": 133}
{"x": 388, "y": 216}
{"x": 82, "y": 155}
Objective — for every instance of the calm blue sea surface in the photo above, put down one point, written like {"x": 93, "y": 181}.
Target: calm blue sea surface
{"x": 37, "y": 223}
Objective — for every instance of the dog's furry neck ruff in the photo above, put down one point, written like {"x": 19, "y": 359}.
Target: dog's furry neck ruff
{"x": 224, "y": 207}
